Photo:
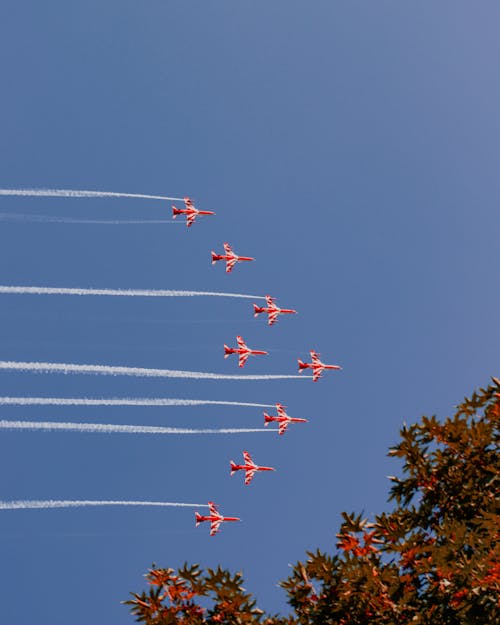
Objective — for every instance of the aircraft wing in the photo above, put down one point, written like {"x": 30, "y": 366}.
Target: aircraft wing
{"x": 190, "y": 219}
{"x": 243, "y": 359}
{"x": 315, "y": 358}
{"x": 282, "y": 427}
{"x": 317, "y": 373}
{"x": 214, "y": 526}
{"x": 230, "y": 263}
{"x": 213, "y": 508}
{"x": 273, "y": 317}
{"x": 281, "y": 410}
{"x": 227, "y": 248}
{"x": 249, "y": 473}
{"x": 188, "y": 202}
{"x": 247, "y": 457}
{"x": 270, "y": 301}
{"x": 241, "y": 342}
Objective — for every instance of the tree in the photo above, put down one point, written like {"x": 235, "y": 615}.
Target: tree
{"x": 434, "y": 559}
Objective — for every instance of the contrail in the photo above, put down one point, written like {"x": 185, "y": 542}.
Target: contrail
{"x": 126, "y": 401}
{"x": 62, "y": 220}
{"x": 53, "y": 367}
{"x": 80, "y": 503}
{"x": 105, "y": 428}
{"x": 44, "y": 290}
{"x": 76, "y": 193}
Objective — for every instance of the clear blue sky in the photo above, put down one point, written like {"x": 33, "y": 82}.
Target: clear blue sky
{"x": 353, "y": 149}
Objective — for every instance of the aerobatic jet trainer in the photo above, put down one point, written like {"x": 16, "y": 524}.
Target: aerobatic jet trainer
{"x": 282, "y": 418}
{"x": 316, "y": 365}
{"x": 215, "y": 518}
{"x": 190, "y": 211}
{"x": 230, "y": 257}
{"x": 243, "y": 351}
{"x": 272, "y": 310}
{"x": 249, "y": 467}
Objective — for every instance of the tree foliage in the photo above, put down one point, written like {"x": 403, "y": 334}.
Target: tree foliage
{"x": 434, "y": 559}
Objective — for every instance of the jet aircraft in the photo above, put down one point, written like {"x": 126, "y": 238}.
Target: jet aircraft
{"x": 243, "y": 351}
{"x": 230, "y": 257}
{"x": 249, "y": 467}
{"x": 272, "y": 310}
{"x": 282, "y": 418}
{"x": 215, "y": 518}
{"x": 316, "y": 365}
{"x": 190, "y": 211}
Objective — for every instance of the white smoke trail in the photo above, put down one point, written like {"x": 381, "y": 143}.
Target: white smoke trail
{"x": 105, "y": 428}
{"x": 53, "y": 367}
{"x": 62, "y": 220}
{"x": 76, "y": 193}
{"x": 126, "y": 401}
{"x": 80, "y": 503}
{"x": 44, "y": 290}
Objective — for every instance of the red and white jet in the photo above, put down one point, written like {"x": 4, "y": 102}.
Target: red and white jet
{"x": 190, "y": 211}
{"x": 316, "y": 365}
{"x": 272, "y": 310}
{"x": 249, "y": 467}
{"x": 282, "y": 418}
{"x": 230, "y": 257}
{"x": 215, "y": 518}
{"x": 242, "y": 350}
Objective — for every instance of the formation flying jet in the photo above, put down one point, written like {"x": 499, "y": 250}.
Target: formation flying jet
{"x": 190, "y": 211}
{"x": 249, "y": 467}
{"x": 282, "y": 418}
{"x": 230, "y": 257}
{"x": 316, "y": 365}
{"x": 215, "y": 518}
{"x": 243, "y": 351}
{"x": 272, "y": 310}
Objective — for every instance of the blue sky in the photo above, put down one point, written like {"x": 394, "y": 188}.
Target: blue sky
{"x": 352, "y": 148}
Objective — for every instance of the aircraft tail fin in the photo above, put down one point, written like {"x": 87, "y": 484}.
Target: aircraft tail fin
{"x": 227, "y": 351}
{"x": 302, "y": 365}
{"x": 198, "y": 518}
{"x": 256, "y": 310}
{"x": 175, "y": 212}
{"x": 233, "y": 468}
{"x": 267, "y": 419}
{"x": 214, "y": 258}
